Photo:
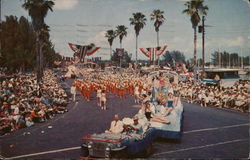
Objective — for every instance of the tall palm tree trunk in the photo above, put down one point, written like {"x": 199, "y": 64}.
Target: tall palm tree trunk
{"x": 158, "y": 45}
{"x": 136, "y": 46}
{"x": 38, "y": 74}
{"x": 110, "y": 52}
{"x": 122, "y": 54}
{"x": 157, "y": 38}
{"x": 41, "y": 59}
{"x": 195, "y": 50}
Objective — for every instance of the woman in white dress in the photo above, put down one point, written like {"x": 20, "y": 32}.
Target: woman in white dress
{"x": 147, "y": 109}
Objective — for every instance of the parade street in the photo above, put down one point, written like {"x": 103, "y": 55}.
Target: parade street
{"x": 117, "y": 79}
{"x": 207, "y": 132}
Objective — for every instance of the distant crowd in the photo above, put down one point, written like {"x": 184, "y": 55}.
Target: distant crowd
{"x": 235, "y": 97}
{"x": 24, "y": 102}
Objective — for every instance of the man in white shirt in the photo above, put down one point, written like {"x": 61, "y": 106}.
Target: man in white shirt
{"x": 16, "y": 110}
{"x": 240, "y": 100}
{"x": 116, "y": 125}
{"x": 73, "y": 92}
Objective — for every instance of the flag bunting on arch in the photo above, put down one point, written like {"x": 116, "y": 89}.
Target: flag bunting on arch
{"x": 82, "y": 51}
{"x": 152, "y": 53}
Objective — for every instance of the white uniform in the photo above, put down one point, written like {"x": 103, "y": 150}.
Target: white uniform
{"x": 99, "y": 93}
{"x": 137, "y": 90}
{"x": 116, "y": 126}
{"x": 73, "y": 92}
{"x": 103, "y": 97}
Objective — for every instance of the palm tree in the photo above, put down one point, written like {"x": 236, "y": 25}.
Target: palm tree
{"x": 110, "y": 34}
{"x": 38, "y": 10}
{"x": 194, "y": 8}
{"x": 121, "y": 32}
{"x": 159, "y": 18}
{"x": 139, "y": 21}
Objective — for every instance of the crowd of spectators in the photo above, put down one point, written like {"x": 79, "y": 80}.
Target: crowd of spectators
{"x": 24, "y": 102}
{"x": 235, "y": 97}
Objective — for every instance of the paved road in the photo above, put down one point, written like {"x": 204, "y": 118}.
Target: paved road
{"x": 207, "y": 133}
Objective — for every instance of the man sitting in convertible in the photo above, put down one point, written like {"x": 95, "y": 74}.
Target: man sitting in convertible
{"x": 116, "y": 125}
{"x": 137, "y": 127}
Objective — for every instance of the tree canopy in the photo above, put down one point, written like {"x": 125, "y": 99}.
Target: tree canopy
{"x": 171, "y": 57}
{"x": 18, "y": 49}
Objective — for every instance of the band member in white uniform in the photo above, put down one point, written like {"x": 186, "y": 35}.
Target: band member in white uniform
{"x": 103, "y": 100}
{"x": 98, "y": 95}
{"x": 137, "y": 94}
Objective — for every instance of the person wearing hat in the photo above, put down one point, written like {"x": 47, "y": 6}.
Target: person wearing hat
{"x": 137, "y": 127}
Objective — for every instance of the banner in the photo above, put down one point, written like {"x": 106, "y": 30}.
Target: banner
{"x": 82, "y": 51}
{"x": 152, "y": 53}
{"x": 147, "y": 52}
{"x": 160, "y": 50}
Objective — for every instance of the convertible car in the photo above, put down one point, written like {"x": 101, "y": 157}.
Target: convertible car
{"x": 127, "y": 144}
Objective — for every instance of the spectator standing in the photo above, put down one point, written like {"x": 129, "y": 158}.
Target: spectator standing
{"x": 73, "y": 92}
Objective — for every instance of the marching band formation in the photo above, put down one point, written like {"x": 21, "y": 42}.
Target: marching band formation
{"x": 103, "y": 84}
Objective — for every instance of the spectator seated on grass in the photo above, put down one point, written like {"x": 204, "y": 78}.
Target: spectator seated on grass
{"x": 24, "y": 102}
{"x": 235, "y": 97}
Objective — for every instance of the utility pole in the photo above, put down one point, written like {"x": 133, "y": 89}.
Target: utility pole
{"x": 202, "y": 30}
{"x": 1, "y": 26}
{"x": 219, "y": 58}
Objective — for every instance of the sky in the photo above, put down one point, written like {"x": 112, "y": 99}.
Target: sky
{"x": 86, "y": 21}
